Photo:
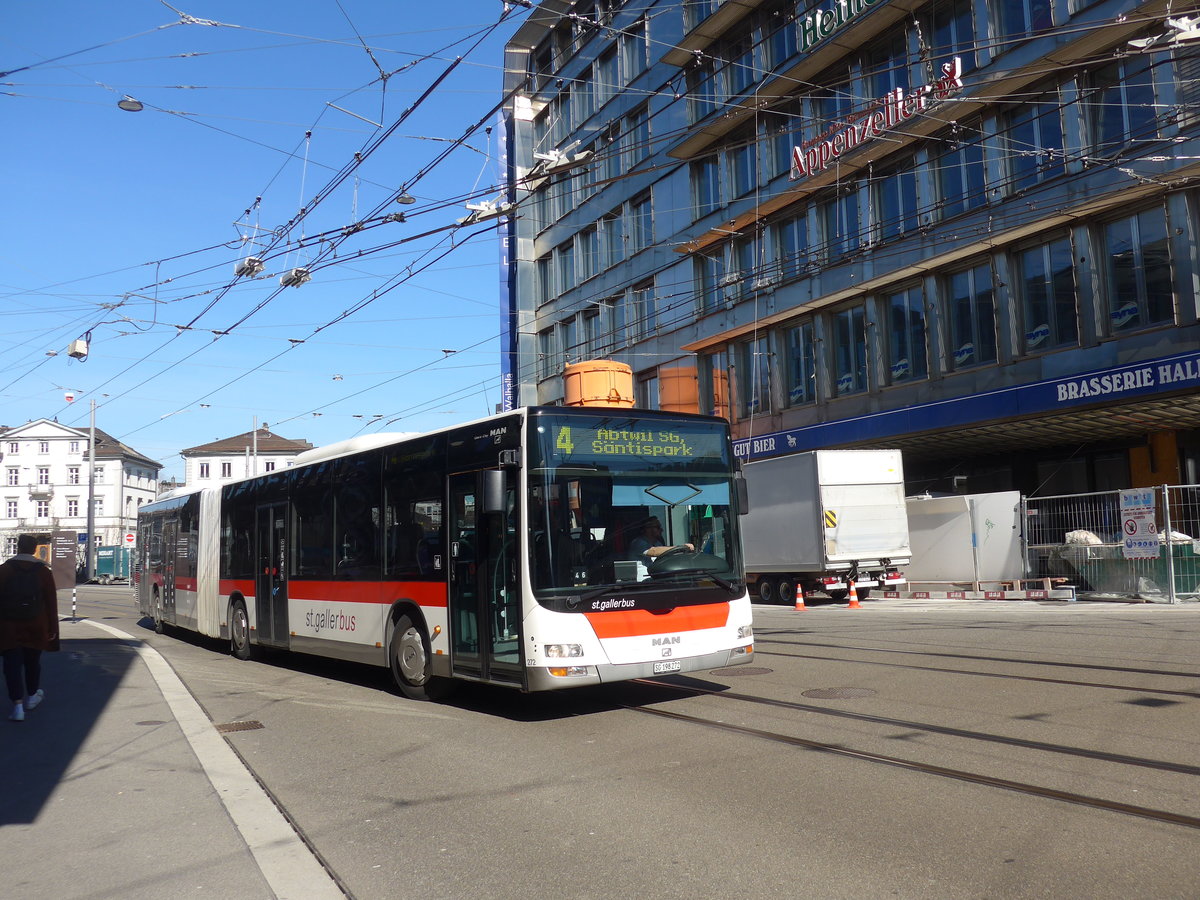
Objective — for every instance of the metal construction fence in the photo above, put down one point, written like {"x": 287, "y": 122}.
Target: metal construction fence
{"x": 1141, "y": 543}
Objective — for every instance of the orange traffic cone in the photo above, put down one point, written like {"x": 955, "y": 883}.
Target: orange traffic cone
{"x": 799, "y": 599}
{"x": 853, "y": 598}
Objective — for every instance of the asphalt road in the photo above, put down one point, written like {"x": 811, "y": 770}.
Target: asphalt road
{"x": 931, "y": 750}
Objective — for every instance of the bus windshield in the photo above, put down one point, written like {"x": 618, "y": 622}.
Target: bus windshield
{"x": 618, "y": 500}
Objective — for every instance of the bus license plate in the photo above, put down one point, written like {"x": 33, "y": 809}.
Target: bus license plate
{"x": 671, "y": 665}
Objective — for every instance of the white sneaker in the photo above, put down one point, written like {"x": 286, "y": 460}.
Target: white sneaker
{"x": 18, "y": 713}
{"x": 32, "y": 701}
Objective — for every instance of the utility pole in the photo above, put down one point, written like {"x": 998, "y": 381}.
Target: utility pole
{"x": 90, "y": 565}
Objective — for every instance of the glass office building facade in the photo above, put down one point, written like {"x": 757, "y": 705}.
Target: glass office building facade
{"x": 966, "y": 229}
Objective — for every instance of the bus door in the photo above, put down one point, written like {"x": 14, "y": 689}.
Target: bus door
{"x": 270, "y": 593}
{"x": 484, "y": 602}
{"x": 170, "y": 535}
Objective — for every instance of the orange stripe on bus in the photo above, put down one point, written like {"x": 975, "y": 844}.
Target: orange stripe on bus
{"x": 637, "y": 622}
{"x": 426, "y": 593}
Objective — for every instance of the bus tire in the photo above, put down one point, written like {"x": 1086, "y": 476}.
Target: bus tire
{"x": 239, "y": 631}
{"x": 160, "y": 627}
{"x": 766, "y": 589}
{"x": 411, "y": 662}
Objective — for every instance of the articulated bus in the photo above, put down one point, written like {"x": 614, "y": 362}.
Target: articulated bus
{"x": 503, "y": 551}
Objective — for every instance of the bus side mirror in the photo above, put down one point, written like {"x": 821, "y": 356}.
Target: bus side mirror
{"x": 743, "y": 494}
{"x": 494, "y": 491}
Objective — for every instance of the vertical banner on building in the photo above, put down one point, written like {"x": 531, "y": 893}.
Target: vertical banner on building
{"x": 1138, "y": 530}
{"x": 508, "y": 292}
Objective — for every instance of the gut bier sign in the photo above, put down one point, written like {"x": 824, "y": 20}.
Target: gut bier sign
{"x": 1139, "y": 534}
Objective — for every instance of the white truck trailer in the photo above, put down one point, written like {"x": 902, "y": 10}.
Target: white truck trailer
{"x": 824, "y": 519}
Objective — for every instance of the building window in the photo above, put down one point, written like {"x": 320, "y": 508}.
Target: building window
{"x": 706, "y": 185}
{"x": 1047, "y": 281}
{"x": 226, "y": 470}
{"x": 269, "y": 466}
{"x": 950, "y": 28}
{"x": 782, "y": 43}
{"x": 640, "y": 229}
{"x": 565, "y": 258}
{"x": 43, "y": 475}
{"x": 614, "y": 320}
{"x": 633, "y": 50}
{"x": 73, "y": 447}
{"x": 738, "y": 71}
{"x": 647, "y": 391}
{"x": 885, "y": 65}
{"x": 702, "y": 91}
{"x": 13, "y": 446}
{"x": 98, "y": 506}
{"x": 791, "y": 246}
{"x": 607, "y": 79}
{"x": 590, "y": 332}
{"x": 43, "y": 446}
{"x": 696, "y": 11}
{"x": 1139, "y": 283}
{"x": 1120, "y": 105}
{"x": 72, "y": 474}
{"x": 710, "y": 272}
{"x": 896, "y": 202}
{"x": 1034, "y": 136}
{"x": 10, "y": 507}
{"x": 545, "y": 279}
{"x": 754, "y": 377}
{"x": 43, "y": 509}
{"x": 960, "y": 175}
{"x": 637, "y": 136}
{"x": 72, "y": 506}
{"x": 839, "y": 219}
{"x": 1018, "y": 18}
{"x": 783, "y": 130}
{"x": 742, "y": 157}
{"x": 203, "y": 470}
{"x": 589, "y": 253}
{"x": 714, "y": 384}
{"x": 613, "y": 242}
{"x": 907, "y": 356}
{"x": 546, "y": 354}
{"x": 584, "y": 97}
{"x": 971, "y": 314}
{"x": 644, "y": 320}
{"x": 14, "y": 477}
{"x": 849, "y": 327}
{"x": 568, "y": 339}
{"x": 801, "y": 371}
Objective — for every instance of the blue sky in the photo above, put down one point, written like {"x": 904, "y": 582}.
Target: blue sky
{"x": 128, "y": 225}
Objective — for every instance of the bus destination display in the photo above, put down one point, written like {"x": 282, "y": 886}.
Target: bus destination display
{"x": 635, "y": 440}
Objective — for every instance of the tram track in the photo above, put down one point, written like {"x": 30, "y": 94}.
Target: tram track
{"x": 1143, "y": 812}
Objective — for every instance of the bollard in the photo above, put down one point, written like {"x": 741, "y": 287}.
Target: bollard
{"x": 74, "y": 593}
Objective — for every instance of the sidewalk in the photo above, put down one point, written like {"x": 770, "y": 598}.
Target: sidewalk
{"x": 119, "y": 786}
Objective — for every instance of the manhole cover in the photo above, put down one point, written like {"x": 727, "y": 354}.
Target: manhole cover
{"x": 838, "y": 693}
{"x": 742, "y": 670}
{"x": 250, "y": 725}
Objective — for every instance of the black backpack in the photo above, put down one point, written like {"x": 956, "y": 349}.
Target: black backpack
{"x": 21, "y": 599}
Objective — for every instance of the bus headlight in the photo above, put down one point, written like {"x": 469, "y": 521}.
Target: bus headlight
{"x": 563, "y": 651}
{"x": 745, "y": 631}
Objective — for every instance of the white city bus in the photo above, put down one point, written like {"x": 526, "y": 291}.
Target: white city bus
{"x": 499, "y": 551}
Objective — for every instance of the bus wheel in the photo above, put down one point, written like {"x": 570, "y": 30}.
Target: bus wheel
{"x": 239, "y": 631}
{"x": 160, "y": 627}
{"x": 411, "y": 663}
{"x": 766, "y": 589}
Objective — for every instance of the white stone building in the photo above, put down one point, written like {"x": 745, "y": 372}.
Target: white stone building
{"x": 44, "y": 465}
{"x": 238, "y": 457}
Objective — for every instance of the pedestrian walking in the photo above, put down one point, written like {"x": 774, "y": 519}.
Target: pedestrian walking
{"x": 28, "y": 624}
